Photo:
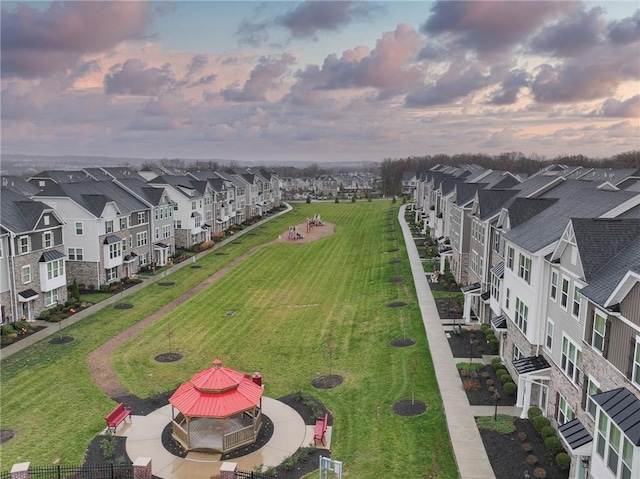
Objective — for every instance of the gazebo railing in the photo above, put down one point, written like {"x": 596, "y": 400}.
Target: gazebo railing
{"x": 179, "y": 433}
{"x": 238, "y": 438}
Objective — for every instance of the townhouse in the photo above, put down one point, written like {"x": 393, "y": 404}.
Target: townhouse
{"x": 32, "y": 260}
{"x": 106, "y": 230}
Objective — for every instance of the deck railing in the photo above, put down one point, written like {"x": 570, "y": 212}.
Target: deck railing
{"x": 180, "y": 434}
{"x": 238, "y": 438}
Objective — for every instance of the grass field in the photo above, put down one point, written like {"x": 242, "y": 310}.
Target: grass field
{"x": 294, "y": 304}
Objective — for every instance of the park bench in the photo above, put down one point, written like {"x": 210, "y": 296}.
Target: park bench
{"x": 119, "y": 414}
{"x": 320, "y": 429}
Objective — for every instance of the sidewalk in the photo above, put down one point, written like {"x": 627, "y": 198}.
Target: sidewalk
{"x": 53, "y": 328}
{"x": 471, "y": 456}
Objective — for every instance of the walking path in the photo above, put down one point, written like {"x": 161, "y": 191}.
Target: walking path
{"x": 471, "y": 456}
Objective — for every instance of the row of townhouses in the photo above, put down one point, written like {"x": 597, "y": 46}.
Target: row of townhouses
{"x": 552, "y": 262}
{"x": 97, "y": 226}
{"x": 329, "y": 185}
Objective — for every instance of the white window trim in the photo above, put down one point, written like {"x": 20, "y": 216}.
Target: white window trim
{"x": 573, "y": 300}
{"x": 27, "y": 268}
{"x": 566, "y": 306}
{"x": 562, "y": 399}
{"x": 596, "y": 314}
{"x": 589, "y": 401}
{"x": 577, "y": 365}
{"x": 81, "y": 228}
{"x": 554, "y": 296}
{"x": 635, "y": 374}
{"x": 546, "y": 334}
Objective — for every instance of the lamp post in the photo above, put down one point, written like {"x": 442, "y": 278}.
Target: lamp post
{"x": 496, "y": 398}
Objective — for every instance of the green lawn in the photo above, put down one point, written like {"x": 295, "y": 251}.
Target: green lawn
{"x": 291, "y": 300}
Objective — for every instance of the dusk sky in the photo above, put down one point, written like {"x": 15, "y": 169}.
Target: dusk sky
{"x": 319, "y": 81}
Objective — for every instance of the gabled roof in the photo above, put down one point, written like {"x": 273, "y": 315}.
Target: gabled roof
{"x": 121, "y": 172}
{"x": 94, "y": 195}
{"x": 465, "y": 192}
{"x": 63, "y": 176}
{"x": 408, "y": 175}
{"x": 178, "y": 183}
{"x": 522, "y": 209}
{"x": 139, "y": 187}
{"x": 20, "y": 214}
{"x": 624, "y": 410}
{"x": 600, "y": 239}
{"x": 547, "y": 226}
{"x": 491, "y": 202}
{"x": 19, "y": 185}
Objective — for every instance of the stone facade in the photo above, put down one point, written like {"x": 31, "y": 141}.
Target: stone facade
{"x": 572, "y": 393}
{"x": 142, "y": 468}
{"x": 515, "y": 336}
{"x": 84, "y": 272}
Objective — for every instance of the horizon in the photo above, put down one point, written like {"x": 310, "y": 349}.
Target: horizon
{"x": 319, "y": 82}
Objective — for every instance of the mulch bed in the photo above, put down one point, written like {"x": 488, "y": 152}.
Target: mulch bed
{"x": 395, "y": 261}
{"x": 6, "y": 435}
{"x": 507, "y": 458}
{"x": 396, "y": 304}
{"x": 327, "y": 382}
{"x": 449, "y": 308}
{"x": 409, "y": 407}
{"x": 166, "y": 283}
{"x": 34, "y": 329}
{"x": 395, "y": 280}
{"x": 402, "y": 342}
{"x": 123, "y": 306}
{"x": 61, "y": 340}
{"x": 482, "y": 396}
{"x": 462, "y": 347}
{"x": 392, "y": 250}
{"x": 168, "y": 357}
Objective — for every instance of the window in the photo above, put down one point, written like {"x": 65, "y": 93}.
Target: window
{"x": 55, "y": 268}
{"x": 198, "y": 220}
{"x": 564, "y": 298}
{"x": 79, "y": 228}
{"x": 525, "y": 268}
{"x": 157, "y": 231}
{"x": 123, "y": 223}
{"x": 157, "y": 213}
{"x": 575, "y": 310}
{"x": 571, "y": 360}
{"x": 627, "y": 458}
{"x": 208, "y": 215}
{"x": 510, "y": 256}
{"x": 495, "y": 287}
{"x": 496, "y": 242}
{"x": 554, "y": 285}
{"x": 142, "y": 218}
{"x": 590, "y": 404}
{"x": 565, "y": 412}
{"x": 76, "y": 254}
{"x": 141, "y": 239}
{"x": 115, "y": 250}
{"x": 474, "y": 261}
{"x": 111, "y": 273}
{"x": 516, "y": 353}
{"x": 614, "y": 448}
{"x": 26, "y": 274}
{"x": 0, "y": 248}
{"x": 507, "y": 298}
{"x": 47, "y": 220}
{"x": 51, "y": 297}
{"x": 23, "y": 244}
{"x": 599, "y": 332}
{"x": 175, "y": 207}
{"x": 166, "y": 231}
{"x": 108, "y": 226}
{"x": 603, "y": 424}
{"x": 193, "y": 205}
{"x": 548, "y": 342}
{"x": 143, "y": 259}
{"x": 635, "y": 374}
{"x": 177, "y": 224}
{"x": 47, "y": 239}
{"x": 522, "y": 315}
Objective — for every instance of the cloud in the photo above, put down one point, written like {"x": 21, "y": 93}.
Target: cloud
{"x": 311, "y": 17}
{"x": 490, "y": 26}
{"x": 626, "y": 30}
{"x": 133, "y": 78}
{"x": 306, "y": 20}
{"x": 38, "y": 42}
{"x": 614, "y": 108}
{"x": 197, "y": 63}
{"x": 570, "y": 35}
{"x": 388, "y": 67}
{"x": 454, "y": 84}
{"x": 263, "y": 78}
{"x": 510, "y": 88}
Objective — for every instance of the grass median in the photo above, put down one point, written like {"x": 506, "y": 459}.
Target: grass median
{"x": 300, "y": 310}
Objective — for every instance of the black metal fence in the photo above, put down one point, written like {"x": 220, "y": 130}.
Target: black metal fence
{"x": 87, "y": 471}
{"x": 254, "y": 475}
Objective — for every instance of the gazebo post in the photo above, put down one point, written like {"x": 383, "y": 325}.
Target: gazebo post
{"x": 188, "y": 419}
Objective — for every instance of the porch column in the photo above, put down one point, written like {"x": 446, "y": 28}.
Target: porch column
{"x": 523, "y": 398}
{"x": 442, "y": 259}
{"x": 466, "y": 311}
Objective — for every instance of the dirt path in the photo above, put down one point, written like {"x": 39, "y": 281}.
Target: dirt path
{"x": 99, "y": 360}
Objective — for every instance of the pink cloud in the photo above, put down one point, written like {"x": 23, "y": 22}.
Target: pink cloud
{"x": 264, "y": 77}
{"x": 134, "y": 78}
{"x": 36, "y": 42}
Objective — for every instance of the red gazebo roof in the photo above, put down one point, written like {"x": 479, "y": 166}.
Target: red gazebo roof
{"x": 216, "y": 392}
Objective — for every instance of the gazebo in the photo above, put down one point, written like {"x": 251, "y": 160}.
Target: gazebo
{"x": 219, "y": 409}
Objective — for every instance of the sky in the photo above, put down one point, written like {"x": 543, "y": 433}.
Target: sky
{"x": 319, "y": 81}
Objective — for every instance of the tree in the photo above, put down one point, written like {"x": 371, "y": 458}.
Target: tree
{"x": 75, "y": 292}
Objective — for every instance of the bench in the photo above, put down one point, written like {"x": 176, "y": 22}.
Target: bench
{"x": 320, "y": 429}
{"x": 119, "y": 414}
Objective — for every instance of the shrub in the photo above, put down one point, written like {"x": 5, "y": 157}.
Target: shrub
{"x": 553, "y": 444}
{"x": 75, "y": 290}
{"x": 6, "y": 330}
{"x": 496, "y": 361}
{"x": 353, "y": 199}
{"x": 532, "y": 460}
{"x": 485, "y": 374}
{"x": 476, "y": 342}
{"x": 505, "y": 378}
{"x": 540, "y": 422}
{"x": 522, "y": 436}
{"x": 494, "y": 344}
{"x": 489, "y": 336}
{"x": 539, "y": 473}
{"x": 547, "y": 431}
{"x": 6, "y": 340}
{"x": 534, "y": 412}
{"x": 526, "y": 447}
{"x": 308, "y": 200}
{"x": 491, "y": 389}
{"x": 484, "y": 327}
{"x": 510, "y": 388}
{"x": 500, "y": 371}
{"x": 564, "y": 460}
{"x": 336, "y": 200}
{"x": 471, "y": 385}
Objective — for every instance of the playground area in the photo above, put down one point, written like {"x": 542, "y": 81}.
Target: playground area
{"x": 312, "y": 229}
